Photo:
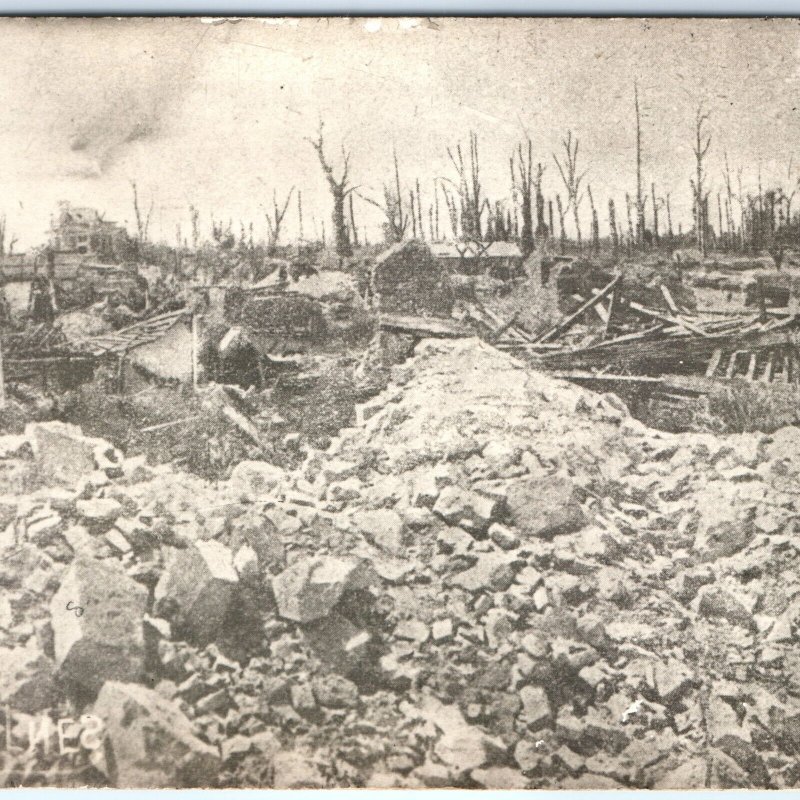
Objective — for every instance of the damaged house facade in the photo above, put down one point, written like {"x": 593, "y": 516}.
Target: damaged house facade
{"x": 85, "y": 232}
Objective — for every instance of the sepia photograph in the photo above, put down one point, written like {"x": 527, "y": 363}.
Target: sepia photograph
{"x": 400, "y": 403}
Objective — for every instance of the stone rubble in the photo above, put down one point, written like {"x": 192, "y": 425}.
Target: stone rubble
{"x": 494, "y": 580}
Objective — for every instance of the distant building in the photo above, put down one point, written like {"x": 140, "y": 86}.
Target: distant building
{"x": 496, "y": 259}
{"x": 84, "y": 231}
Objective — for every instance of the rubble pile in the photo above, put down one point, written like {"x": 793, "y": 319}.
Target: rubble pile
{"x": 494, "y": 579}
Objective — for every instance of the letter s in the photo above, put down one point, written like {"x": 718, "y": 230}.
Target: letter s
{"x": 90, "y": 738}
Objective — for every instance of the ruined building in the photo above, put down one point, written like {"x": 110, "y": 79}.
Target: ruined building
{"x": 85, "y": 232}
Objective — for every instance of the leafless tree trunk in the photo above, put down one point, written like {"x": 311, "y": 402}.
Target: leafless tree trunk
{"x": 701, "y": 146}
{"x": 353, "y": 227}
{"x": 300, "y": 215}
{"x": 562, "y": 212}
{"x": 142, "y": 223}
{"x": 655, "y": 215}
{"x": 452, "y": 211}
{"x": 275, "y": 220}
{"x": 339, "y": 191}
{"x": 469, "y": 188}
{"x": 419, "y": 213}
{"x": 612, "y": 224}
{"x": 522, "y": 188}
{"x": 631, "y": 237}
{"x": 595, "y": 223}
{"x": 641, "y": 200}
{"x": 670, "y": 232}
{"x": 572, "y": 179}
{"x": 194, "y": 216}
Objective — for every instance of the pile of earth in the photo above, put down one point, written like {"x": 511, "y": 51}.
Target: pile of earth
{"x": 493, "y": 579}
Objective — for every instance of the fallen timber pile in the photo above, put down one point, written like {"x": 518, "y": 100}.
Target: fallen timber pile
{"x": 688, "y": 352}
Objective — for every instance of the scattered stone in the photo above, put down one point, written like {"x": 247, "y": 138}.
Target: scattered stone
{"x": 470, "y": 510}
{"x": 98, "y": 510}
{"x": 196, "y": 590}
{"x": 412, "y": 629}
{"x": 503, "y": 536}
{"x": 63, "y": 454}
{"x": 718, "y": 604}
{"x": 255, "y": 479}
{"x": 27, "y": 679}
{"x": 311, "y": 587}
{"x": 499, "y": 778}
{"x": 442, "y": 630}
{"x": 384, "y": 528}
{"x": 152, "y": 744}
{"x": 293, "y": 770}
{"x": 96, "y": 616}
{"x": 493, "y": 572}
{"x": 545, "y": 506}
{"x": 536, "y": 712}
{"x": 303, "y": 700}
{"x": 673, "y": 680}
{"x": 723, "y": 539}
{"x": 334, "y": 691}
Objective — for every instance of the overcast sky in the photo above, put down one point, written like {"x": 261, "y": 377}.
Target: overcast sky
{"x": 216, "y": 114}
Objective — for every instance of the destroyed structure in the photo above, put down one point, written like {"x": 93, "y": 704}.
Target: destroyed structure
{"x": 431, "y": 547}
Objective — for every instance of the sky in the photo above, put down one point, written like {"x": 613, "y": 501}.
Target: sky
{"x": 216, "y": 114}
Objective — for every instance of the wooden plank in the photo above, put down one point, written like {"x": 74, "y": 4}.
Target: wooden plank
{"x": 612, "y": 307}
{"x": 714, "y": 363}
{"x": 670, "y": 302}
{"x": 564, "y": 326}
{"x": 767, "y": 376}
{"x": 649, "y": 312}
{"x": 732, "y": 363}
{"x": 751, "y": 367}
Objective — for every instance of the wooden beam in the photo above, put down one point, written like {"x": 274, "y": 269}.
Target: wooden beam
{"x": 564, "y": 326}
{"x": 670, "y": 302}
{"x": 767, "y": 376}
{"x": 683, "y": 323}
{"x": 751, "y": 367}
{"x": 732, "y": 363}
{"x": 714, "y": 363}
{"x": 612, "y": 307}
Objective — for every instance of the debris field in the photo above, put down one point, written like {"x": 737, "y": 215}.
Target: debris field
{"x": 494, "y": 579}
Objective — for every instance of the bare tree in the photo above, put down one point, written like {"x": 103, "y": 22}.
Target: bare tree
{"x": 612, "y": 224}
{"x": 641, "y": 199}
{"x": 275, "y": 220}
{"x": 194, "y": 216}
{"x": 562, "y": 213}
{"x": 631, "y": 237}
{"x": 572, "y": 179}
{"x": 469, "y": 188}
{"x": 522, "y": 189}
{"x": 595, "y": 222}
{"x": 701, "y": 145}
{"x": 670, "y": 232}
{"x": 656, "y": 205}
{"x": 340, "y": 189}
{"x": 3, "y": 235}
{"x": 396, "y": 222}
{"x": 452, "y": 210}
{"x": 142, "y": 223}
{"x": 786, "y": 195}
{"x": 300, "y": 215}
